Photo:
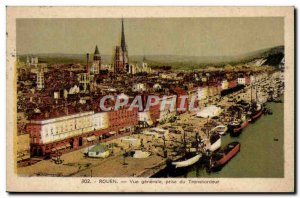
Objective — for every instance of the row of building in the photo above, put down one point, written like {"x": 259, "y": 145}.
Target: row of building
{"x": 73, "y": 131}
{"x": 58, "y": 105}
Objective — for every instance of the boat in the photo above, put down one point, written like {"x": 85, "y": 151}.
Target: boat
{"x": 187, "y": 162}
{"x": 236, "y": 127}
{"x": 243, "y": 125}
{"x": 215, "y": 142}
{"x": 267, "y": 111}
{"x": 277, "y": 100}
{"x": 220, "y": 158}
{"x": 220, "y": 129}
{"x": 256, "y": 112}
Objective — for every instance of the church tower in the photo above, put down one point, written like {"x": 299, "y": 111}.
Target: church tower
{"x": 119, "y": 66}
{"x": 96, "y": 62}
{"x": 97, "y": 56}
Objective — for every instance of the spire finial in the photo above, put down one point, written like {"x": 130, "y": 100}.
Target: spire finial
{"x": 123, "y": 43}
{"x": 96, "y": 50}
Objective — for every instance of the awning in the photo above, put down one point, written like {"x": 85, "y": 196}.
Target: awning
{"x": 91, "y": 138}
{"x": 59, "y": 148}
{"x": 112, "y": 132}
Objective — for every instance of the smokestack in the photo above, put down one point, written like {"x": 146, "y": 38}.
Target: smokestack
{"x": 87, "y": 63}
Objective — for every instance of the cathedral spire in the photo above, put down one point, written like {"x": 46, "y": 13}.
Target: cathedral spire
{"x": 123, "y": 43}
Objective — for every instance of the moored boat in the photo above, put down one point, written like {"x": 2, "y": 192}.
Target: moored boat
{"x": 237, "y": 129}
{"x": 243, "y": 125}
{"x": 256, "y": 113}
{"x": 187, "y": 162}
{"x": 277, "y": 100}
{"x": 221, "y": 157}
{"x": 220, "y": 129}
{"x": 234, "y": 126}
{"x": 256, "y": 109}
{"x": 215, "y": 142}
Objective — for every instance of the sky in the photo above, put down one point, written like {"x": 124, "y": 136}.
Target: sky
{"x": 151, "y": 36}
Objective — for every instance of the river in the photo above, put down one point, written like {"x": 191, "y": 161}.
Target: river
{"x": 260, "y": 154}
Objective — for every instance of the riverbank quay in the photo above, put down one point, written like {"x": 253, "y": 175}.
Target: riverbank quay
{"x": 116, "y": 165}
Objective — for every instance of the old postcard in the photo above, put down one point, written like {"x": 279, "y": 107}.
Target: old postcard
{"x": 150, "y": 99}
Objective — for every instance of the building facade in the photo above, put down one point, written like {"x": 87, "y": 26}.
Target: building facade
{"x": 66, "y": 132}
{"x": 122, "y": 120}
{"x": 40, "y": 79}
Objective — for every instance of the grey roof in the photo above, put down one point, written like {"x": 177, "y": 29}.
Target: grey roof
{"x": 99, "y": 148}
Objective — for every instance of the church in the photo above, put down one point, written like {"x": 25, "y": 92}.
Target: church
{"x": 121, "y": 61}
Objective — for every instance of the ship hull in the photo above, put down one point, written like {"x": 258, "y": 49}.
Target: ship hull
{"x": 215, "y": 146}
{"x": 227, "y": 154}
{"x": 238, "y": 131}
{"x": 221, "y": 129}
{"x": 256, "y": 116}
{"x": 187, "y": 163}
{"x": 180, "y": 168}
{"x": 232, "y": 127}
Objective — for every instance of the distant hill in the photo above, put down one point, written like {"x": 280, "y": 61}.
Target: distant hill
{"x": 177, "y": 62}
{"x": 274, "y": 56}
{"x": 64, "y": 58}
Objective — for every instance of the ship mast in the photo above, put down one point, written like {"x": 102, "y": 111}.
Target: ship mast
{"x": 251, "y": 90}
{"x": 184, "y": 143}
{"x": 255, "y": 90}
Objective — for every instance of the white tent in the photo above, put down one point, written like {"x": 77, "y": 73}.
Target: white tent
{"x": 141, "y": 154}
{"x": 209, "y": 112}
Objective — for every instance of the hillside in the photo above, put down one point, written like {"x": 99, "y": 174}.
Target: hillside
{"x": 273, "y": 56}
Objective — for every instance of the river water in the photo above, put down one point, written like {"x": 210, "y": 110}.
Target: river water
{"x": 260, "y": 154}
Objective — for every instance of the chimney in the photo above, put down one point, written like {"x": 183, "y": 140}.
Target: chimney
{"x": 87, "y": 63}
